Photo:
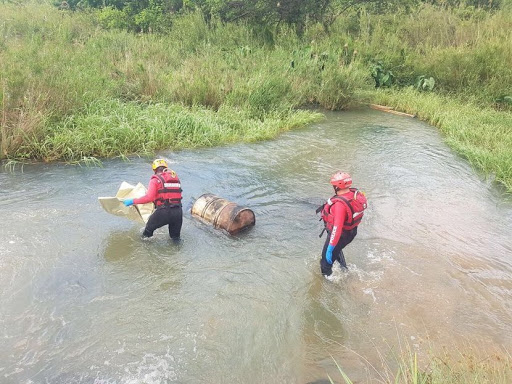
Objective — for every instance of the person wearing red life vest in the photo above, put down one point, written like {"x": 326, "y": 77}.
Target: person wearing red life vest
{"x": 341, "y": 214}
{"x": 165, "y": 192}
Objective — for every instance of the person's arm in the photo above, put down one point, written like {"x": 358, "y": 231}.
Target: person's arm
{"x": 148, "y": 197}
{"x": 339, "y": 211}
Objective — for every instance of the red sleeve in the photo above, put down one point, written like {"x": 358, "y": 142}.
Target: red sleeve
{"x": 339, "y": 211}
{"x": 151, "y": 194}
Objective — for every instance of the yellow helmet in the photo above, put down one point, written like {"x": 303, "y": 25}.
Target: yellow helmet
{"x": 159, "y": 163}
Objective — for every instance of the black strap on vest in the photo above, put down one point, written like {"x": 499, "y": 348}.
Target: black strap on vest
{"x": 347, "y": 203}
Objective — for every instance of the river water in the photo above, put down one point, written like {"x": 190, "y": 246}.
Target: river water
{"x": 84, "y": 300}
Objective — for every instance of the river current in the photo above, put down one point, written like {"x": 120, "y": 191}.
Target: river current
{"x": 83, "y": 299}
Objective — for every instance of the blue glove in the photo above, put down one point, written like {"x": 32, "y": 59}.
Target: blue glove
{"x": 128, "y": 202}
{"x": 328, "y": 253}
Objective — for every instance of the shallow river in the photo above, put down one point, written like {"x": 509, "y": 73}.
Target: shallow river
{"x": 84, "y": 300}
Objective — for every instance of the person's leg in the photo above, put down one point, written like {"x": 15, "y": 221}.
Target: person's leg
{"x": 341, "y": 259}
{"x": 325, "y": 267}
{"x": 155, "y": 221}
{"x": 175, "y": 222}
{"x": 337, "y": 254}
{"x": 345, "y": 239}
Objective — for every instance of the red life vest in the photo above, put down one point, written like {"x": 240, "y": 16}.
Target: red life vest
{"x": 355, "y": 210}
{"x": 169, "y": 192}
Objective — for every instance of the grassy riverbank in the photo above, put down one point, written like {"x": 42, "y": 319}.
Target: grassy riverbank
{"x": 482, "y": 135}
{"x": 405, "y": 366}
{"x": 115, "y": 128}
{"x": 64, "y": 78}
{"x": 73, "y": 88}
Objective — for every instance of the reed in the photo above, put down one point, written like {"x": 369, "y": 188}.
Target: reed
{"x": 409, "y": 366}
{"x": 467, "y": 51}
{"x": 116, "y": 129}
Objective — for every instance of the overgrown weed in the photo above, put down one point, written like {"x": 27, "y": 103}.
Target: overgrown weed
{"x": 407, "y": 364}
{"x": 225, "y": 82}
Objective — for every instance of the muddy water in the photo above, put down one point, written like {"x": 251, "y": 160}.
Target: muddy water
{"x": 84, "y": 300}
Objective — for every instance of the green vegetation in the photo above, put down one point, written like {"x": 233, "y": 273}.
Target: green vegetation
{"x": 81, "y": 81}
{"x": 482, "y": 135}
{"x": 108, "y": 129}
{"x": 60, "y": 69}
{"x": 471, "y": 366}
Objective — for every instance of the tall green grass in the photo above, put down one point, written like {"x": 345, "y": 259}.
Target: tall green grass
{"x": 57, "y": 67}
{"x": 64, "y": 78}
{"x": 406, "y": 365}
{"x": 482, "y": 135}
{"x": 467, "y": 51}
{"x": 115, "y": 128}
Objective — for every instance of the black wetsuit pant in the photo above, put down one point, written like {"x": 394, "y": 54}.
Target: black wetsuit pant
{"x": 337, "y": 253}
{"x": 165, "y": 215}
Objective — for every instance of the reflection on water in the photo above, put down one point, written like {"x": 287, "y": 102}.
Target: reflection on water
{"x": 84, "y": 299}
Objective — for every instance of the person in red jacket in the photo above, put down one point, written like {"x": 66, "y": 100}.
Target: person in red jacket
{"x": 342, "y": 213}
{"x": 165, "y": 192}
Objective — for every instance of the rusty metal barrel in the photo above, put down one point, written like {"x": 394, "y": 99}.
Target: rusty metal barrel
{"x": 223, "y": 214}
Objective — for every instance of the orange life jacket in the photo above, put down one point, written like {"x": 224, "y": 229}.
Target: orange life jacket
{"x": 356, "y": 206}
{"x": 169, "y": 192}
